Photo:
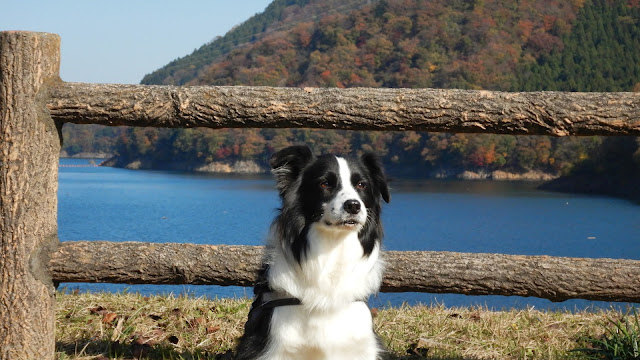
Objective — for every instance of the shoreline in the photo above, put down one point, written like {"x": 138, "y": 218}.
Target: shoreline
{"x": 596, "y": 184}
{"x": 251, "y": 167}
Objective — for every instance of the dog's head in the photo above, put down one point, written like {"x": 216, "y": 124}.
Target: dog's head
{"x": 334, "y": 193}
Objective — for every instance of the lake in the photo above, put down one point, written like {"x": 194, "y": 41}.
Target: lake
{"x": 102, "y": 203}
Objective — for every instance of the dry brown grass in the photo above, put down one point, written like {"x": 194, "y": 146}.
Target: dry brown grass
{"x": 476, "y": 333}
{"x": 131, "y": 326}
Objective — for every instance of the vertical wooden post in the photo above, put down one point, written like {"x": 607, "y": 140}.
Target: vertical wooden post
{"x": 29, "y": 151}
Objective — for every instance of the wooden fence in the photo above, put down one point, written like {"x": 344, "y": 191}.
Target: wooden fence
{"x": 34, "y": 104}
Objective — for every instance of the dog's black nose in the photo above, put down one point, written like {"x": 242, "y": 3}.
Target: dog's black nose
{"x": 352, "y": 206}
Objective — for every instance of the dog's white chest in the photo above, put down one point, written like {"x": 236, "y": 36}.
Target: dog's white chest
{"x": 299, "y": 333}
{"x": 332, "y": 262}
{"x": 331, "y": 323}
{"x": 333, "y": 274}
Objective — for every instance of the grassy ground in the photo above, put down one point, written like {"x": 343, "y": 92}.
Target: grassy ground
{"x": 131, "y": 326}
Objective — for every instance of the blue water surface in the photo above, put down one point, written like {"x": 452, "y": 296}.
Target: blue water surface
{"x": 102, "y": 203}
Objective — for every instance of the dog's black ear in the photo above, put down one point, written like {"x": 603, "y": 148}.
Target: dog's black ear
{"x": 287, "y": 163}
{"x": 372, "y": 163}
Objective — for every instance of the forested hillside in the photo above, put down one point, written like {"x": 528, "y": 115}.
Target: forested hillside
{"x": 578, "y": 45}
{"x": 277, "y": 17}
{"x": 601, "y": 53}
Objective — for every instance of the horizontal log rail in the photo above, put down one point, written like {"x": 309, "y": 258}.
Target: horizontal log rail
{"x": 553, "y": 278}
{"x": 435, "y": 110}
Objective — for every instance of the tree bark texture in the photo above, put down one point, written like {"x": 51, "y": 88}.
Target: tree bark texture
{"x": 553, "y": 278}
{"x": 29, "y": 148}
{"x": 436, "y": 110}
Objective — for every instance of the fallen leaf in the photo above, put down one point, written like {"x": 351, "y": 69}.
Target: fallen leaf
{"x": 98, "y": 310}
{"x": 212, "y": 329}
{"x": 145, "y": 340}
{"x": 422, "y": 347}
{"x": 109, "y": 317}
{"x": 197, "y": 322}
{"x": 475, "y": 316}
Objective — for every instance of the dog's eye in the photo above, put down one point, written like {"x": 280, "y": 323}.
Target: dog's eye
{"x": 325, "y": 185}
{"x": 361, "y": 185}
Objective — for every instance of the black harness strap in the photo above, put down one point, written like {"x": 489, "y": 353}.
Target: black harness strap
{"x": 280, "y": 302}
{"x": 258, "y": 310}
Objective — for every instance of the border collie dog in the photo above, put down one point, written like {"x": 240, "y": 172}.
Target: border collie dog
{"x": 322, "y": 261}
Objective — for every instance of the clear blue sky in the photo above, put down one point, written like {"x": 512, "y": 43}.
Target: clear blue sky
{"x": 119, "y": 41}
